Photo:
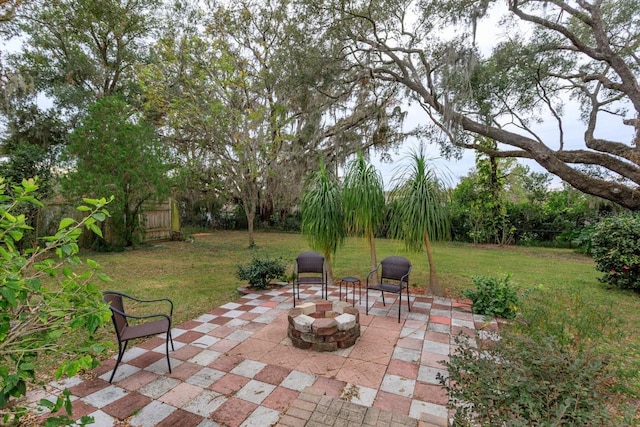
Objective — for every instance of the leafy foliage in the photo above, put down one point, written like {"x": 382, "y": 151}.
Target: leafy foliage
{"x": 550, "y": 369}
{"x": 35, "y": 313}
{"x": 493, "y": 297}
{"x": 615, "y": 246}
{"x": 260, "y": 271}
{"x": 116, "y": 153}
{"x": 519, "y": 381}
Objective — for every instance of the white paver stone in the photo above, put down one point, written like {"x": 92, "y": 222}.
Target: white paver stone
{"x": 345, "y": 321}
{"x": 303, "y": 322}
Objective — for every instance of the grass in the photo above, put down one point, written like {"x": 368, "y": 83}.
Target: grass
{"x": 199, "y": 275}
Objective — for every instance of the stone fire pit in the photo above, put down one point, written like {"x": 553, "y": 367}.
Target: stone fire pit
{"x": 324, "y": 325}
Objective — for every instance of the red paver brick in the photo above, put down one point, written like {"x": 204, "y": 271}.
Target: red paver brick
{"x": 233, "y": 412}
{"x": 181, "y": 418}
{"x": 437, "y": 337}
{"x": 372, "y": 351}
{"x": 189, "y": 337}
{"x": 253, "y": 326}
{"x": 184, "y": 371}
{"x": 190, "y": 324}
{"x": 430, "y": 393}
{"x": 78, "y": 408}
{"x": 280, "y": 398}
{"x": 180, "y": 395}
{"x": 441, "y": 320}
{"x": 392, "y": 402}
{"x": 219, "y": 320}
{"x": 146, "y": 359}
{"x": 252, "y": 349}
{"x": 221, "y": 332}
{"x": 85, "y": 388}
{"x": 219, "y": 311}
{"x": 403, "y": 368}
{"x": 249, "y": 316}
{"x": 272, "y": 374}
{"x": 126, "y": 406}
{"x": 226, "y": 362}
{"x": 151, "y": 343}
{"x": 229, "y": 384}
{"x": 321, "y": 363}
{"x": 410, "y": 343}
{"x": 137, "y": 380}
{"x": 105, "y": 366}
{"x": 362, "y": 373}
{"x": 433, "y": 359}
{"x": 329, "y": 386}
{"x": 186, "y": 352}
{"x": 223, "y": 346}
{"x": 270, "y": 304}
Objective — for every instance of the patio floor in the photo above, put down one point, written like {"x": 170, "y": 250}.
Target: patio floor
{"x": 235, "y": 366}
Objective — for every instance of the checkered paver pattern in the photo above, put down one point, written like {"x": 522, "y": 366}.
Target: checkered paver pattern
{"x": 235, "y": 366}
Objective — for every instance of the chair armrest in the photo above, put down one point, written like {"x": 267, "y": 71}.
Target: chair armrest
{"x": 141, "y": 317}
{"x": 148, "y": 300}
{"x": 372, "y": 272}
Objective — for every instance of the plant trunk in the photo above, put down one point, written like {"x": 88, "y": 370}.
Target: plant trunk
{"x": 434, "y": 285}
{"x": 327, "y": 257}
{"x": 374, "y": 260}
{"x": 250, "y": 212}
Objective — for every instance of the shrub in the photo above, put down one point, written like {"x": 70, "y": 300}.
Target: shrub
{"x": 615, "y": 246}
{"x": 493, "y": 296}
{"x": 519, "y": 381}
{"x": 260, "y": 271}
{"x": 550, "y": 369}
{"x": 35, "y": 313}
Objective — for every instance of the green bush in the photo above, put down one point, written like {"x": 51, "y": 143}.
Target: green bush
{"x": 260, "y": 271}
{"x": 615, "y": 247}
{"x": 519, "y": 381}
{"x": 552, "y": 368}
{"x": 493, "y": 296}
{"x": 45, "y": 294}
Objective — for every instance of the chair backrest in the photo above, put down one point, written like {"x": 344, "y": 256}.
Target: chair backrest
{"x": 310, "y": 262}
{"x": 116, "y": 302}
{"x": 395, "y": 268}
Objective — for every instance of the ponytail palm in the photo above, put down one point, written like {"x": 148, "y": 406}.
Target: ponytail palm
{"x": 322, "y": 214}
{"x": 363, "y": 199}
{"x": 420, "y": 215}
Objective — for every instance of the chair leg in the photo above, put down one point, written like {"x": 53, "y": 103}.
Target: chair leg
{"x": 383, "y": 303}
{"x": 121, "y": 350}
{"x": 167, "y": 348}
{"x": 399, "y": 304}
{"x": 408, "y": 301}
{"x": 366, "y": 302}
{"x": 294, "y": 293}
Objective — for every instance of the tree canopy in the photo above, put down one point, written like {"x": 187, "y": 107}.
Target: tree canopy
{"x": 546, "y": 55}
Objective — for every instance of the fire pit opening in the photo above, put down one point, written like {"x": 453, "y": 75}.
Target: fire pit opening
{"x": 324, "y": 325}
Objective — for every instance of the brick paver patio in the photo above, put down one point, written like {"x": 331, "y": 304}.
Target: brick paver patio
{"x": 235, "y": 366}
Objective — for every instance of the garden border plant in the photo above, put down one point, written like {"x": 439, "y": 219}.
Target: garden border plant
{"x": 494, "y": 297}
{"x": 615, "y": 247}
{"x": 35, "y": 313}
{"x": 261, "y": 271}
{"x": 548, "y": 369}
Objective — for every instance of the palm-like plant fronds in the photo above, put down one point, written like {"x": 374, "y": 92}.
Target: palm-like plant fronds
{"x": 322, "y": 214}
{"x": 420, "y": 214}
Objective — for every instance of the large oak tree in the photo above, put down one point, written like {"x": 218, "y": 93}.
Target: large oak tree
{"x": 546, "y": 55}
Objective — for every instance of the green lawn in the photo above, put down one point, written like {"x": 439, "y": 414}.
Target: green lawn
{"x": 199, "y": 275}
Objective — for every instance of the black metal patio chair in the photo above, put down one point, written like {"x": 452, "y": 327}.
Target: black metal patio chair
{"x": 309, "y": 269}
{"x": 144, "y": 325}
{"x": 393, "y": 277}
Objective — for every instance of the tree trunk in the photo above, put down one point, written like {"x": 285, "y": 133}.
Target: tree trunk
{"x": 374, "y": 260}
{"x": 327, "y": 258}
{"x": 250, "y": 212}
{"x": 434, "y": 285}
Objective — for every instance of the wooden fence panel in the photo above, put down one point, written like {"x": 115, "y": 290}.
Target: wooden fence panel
{"x": 156, "y": 221}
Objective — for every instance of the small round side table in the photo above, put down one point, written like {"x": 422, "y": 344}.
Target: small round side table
{"x": 353, "y": 281}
